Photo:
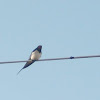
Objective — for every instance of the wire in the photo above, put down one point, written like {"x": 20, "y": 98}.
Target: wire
{"x": 78, "y": 57}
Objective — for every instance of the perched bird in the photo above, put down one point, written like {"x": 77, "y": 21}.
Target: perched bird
{"x": 35, "y": 55}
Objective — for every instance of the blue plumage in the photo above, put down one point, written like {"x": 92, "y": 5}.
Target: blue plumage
{"x": 35, "y": 55}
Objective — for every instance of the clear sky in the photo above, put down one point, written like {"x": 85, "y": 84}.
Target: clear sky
{"x": 64, "y": 28}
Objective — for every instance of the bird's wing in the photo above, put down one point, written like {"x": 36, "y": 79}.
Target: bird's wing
{"x": 27, "y": 64}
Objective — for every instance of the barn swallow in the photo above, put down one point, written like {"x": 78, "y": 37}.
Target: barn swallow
{"x": 35, "y": 55}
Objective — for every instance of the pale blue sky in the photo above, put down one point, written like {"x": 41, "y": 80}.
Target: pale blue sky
{"x": 64, "y": 28}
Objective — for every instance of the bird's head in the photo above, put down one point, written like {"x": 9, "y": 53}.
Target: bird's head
{"x": 39, "y": 48}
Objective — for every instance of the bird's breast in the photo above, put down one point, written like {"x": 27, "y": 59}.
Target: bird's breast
{"x": 35, "y": 55}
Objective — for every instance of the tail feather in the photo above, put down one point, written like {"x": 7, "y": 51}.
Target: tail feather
{"x": 19, "y": 71}
{"x": 26, "y": 65}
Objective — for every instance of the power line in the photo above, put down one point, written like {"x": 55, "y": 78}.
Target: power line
{"x": 78, "y": 57}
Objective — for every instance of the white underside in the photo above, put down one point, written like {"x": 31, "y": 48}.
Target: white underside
{"x": 35, "y": 55}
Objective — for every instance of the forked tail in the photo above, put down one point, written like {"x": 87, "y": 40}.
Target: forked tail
{"x": 19, "y": 71}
